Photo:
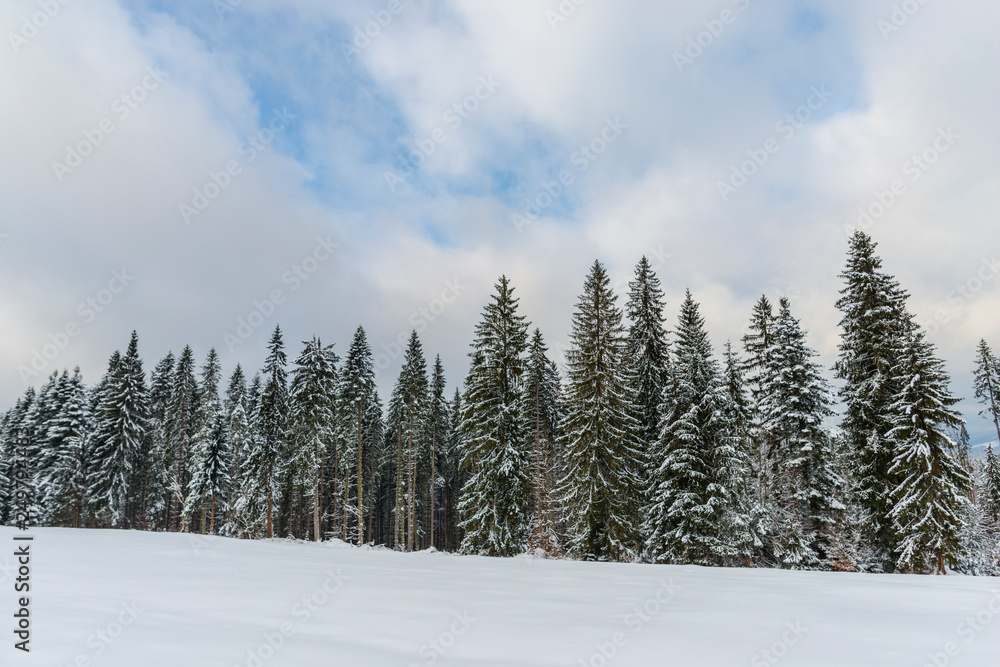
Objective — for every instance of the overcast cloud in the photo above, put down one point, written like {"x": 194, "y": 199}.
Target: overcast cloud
{"x": 197, "y": 159}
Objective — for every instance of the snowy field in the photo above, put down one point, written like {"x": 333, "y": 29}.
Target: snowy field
{"x": 134, "y": 599}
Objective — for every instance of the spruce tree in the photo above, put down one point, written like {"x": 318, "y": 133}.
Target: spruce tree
{"x": 987, "y": 384}
{"x": 64, "y": 487}
{"x": 438, "y": 426}
{"x": 694, "y": 513}
{"x": 542, "y": 412}
{"x": 180, "y": 424}
{"x": 311, "y": 419}
{"x": 272, "y": 423}
{"x": 412, "y": 408}
{"x": 211, "y": 479}
{"x": 241, "y": 514}
{"x": 990, "y": 496}
{"x": 121, "y": 430}
{"x": 874, "y": 324}
{"x": 648, "y": 349}
{"x": 602, "y": 490}
{"x": 359, "y": 411}
{"x": 794, "y": 401}
{"x": 930, "y": 497}
{"x": 494, "y": 501}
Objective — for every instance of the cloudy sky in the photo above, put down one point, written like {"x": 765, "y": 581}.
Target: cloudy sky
{"x": 201, "y": 171}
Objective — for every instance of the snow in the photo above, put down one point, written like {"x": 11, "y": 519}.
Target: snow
{"x": 207, "y": 601}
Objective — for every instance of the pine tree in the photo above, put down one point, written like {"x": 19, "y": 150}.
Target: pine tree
{"x": 694, "y": 510}
{"x": 311, "y": 419}
{"x": 122, "y": 422}
{"x": 874, "y": 324}
{"x": 453, "y": 476}
{"x": 157, "y": 462}
{"x": 739, "y": 415}
{"x": 494, "y": 500}
{"x": 180, "y": 424}
{"x": 648, "y": 349}
{"x": 542, "y": 411}
{"x": 272, "y": 422}
{"x": 930, "y": 498}
{"x": 987, "y": 384}
{"x": 602, "y": 490}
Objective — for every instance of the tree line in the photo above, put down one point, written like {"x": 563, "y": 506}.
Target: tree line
{"x": 646, "y": 446}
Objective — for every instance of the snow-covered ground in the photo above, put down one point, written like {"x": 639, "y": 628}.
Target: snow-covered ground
{"x": 130, "y": 599}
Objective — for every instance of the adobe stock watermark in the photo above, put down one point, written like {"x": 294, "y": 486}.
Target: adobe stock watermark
{"x": 634, "y": 621}
{"x": 899, "y": 17}
{"x": 453, "y": 118}
{"x": 87, "y": 311}
{"x": 963, "y": 294}
{"x": 714, "y": 27}
{"x": 774, "y": 653}
{"x": 554, "y": 190}
{"x": 219, "y": 181}
{"x": 301, "y": 613}
{"x": 787, "y": 127}
{"x": 293, "y": 278}
{"x": 420, "y": 320}
{"x": 121, "y": 108}
{"x": 971, "y": 627}
{"x": 224, "y": 8}
{"x": 433, "y": 650}
{"x": 913, "y": 170}
{"x": 34, "y": 23}
{"x": 105, "y": 637}
{"x": 562, "y": 13}
{"x": 363, "y": 36}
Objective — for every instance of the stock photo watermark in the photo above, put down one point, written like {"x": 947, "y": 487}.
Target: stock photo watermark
{"x": 364, "y": 35}
{"x": 899, "y": 17}
{"x": 454, "y": 117}
{"x": 582, "y": 158}
{"x": 913, "y": 169}
{"x": 293, "y": 278}
{"x": 121, "y": 108}
{"x": 787, "y": 127}
{"x": 967, "y": 630}
{"x": 562, "y": 13}
{"x": 963, "y": 294}
{"x": 705, "y": 39}
{"x": 218, "y": 181}
{"x": 32, "y": 24}
{"x": 774, "y": 653}
{"x": 87, "y": 311}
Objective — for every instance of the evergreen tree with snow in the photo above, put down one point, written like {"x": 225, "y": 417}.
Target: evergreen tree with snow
{"x": 14, "y": 459}
{"x": 64, "y": 487}
{"x": 239, "y": 516}
{"x": 272, "y": 423}
{"x": 311, "y": 421}
{"x": 542, "y": 412}
{"x": 602, "y": 491}
{"x": 874, "y": 325}
{"x": 494, "y": 501}
{"x": 794, "y": 401}
{"x": 360, "y": 414}
{"x": 694, "y": 513}
{"x": 412, "y": 402}
{"x": 209, "y": 408}
{"x": 438, "y": 425}
{"x": 990, "y": 495}
{"x": 453, "y": 476}
{"x": 211, "y": 478}
{"x": 930, "y": 497}
{"x": 180, "y": 428}
{"x": 739, "y": 414}
{"x": 648, "y": 349}
{"x": 120, "y": 434}
{"x": 987, "y": 384}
